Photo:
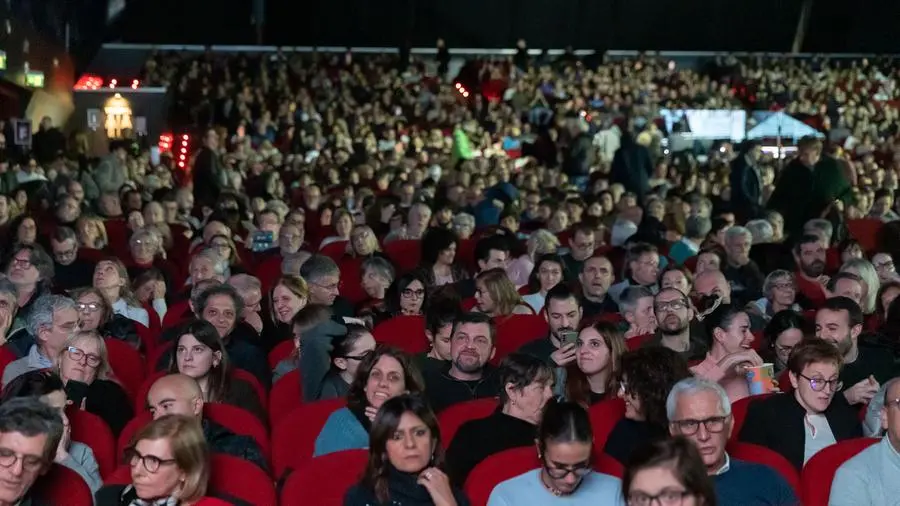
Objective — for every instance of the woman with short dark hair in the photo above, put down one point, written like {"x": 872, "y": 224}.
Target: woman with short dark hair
{"x": 527, "y": 385}
{"x": 669, "y": 471}
{"x": 405, "y": 458}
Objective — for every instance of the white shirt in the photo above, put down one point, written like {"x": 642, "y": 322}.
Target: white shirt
{"x": 818, "y": 435}
{"x": 138, "y": 314}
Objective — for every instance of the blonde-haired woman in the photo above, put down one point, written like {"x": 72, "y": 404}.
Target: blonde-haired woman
{"x": 91, "y": 232}
{"x": 870, "y": 283}
{"x": 84, "y": 369}
{"x": 169, "y": 462}
{"x": 289, "y": 295}
{"x": 111, "y": 278}
{"x": 540, "y": 242}
{"x": 496, "y": 295}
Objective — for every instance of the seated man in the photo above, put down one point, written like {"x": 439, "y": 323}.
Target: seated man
{"x": 180, "y": 395}
{"x": 699, "y": 410}
{"x": 870, "y": 477}
{"x": 30, "y": 431}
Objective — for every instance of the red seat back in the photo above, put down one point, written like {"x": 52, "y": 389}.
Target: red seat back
{"x": 324, "y": 480}
{"x": 140, "y": 397}
{"x": 91, "y": 430}
{"x": 455, "y": 415}
{"x": 351, "y": 276}
{"x": 739, "y": 412}
{"x": 294, "y": 436}
{"x": 126, "y": 363}
{"x": 62, "y": 485}
{"x": 604, "y": 416}
{"x": 865, "y": 231}
{"x": 286, "y": 394}
{"x": 404, "y": 253}
{"x": 280, "y": 352}
{"x": 818, "y": 472}
{"x": 762, "y": 455}
{"x": 496, "y": 469}
{"x": 175, "y": 314}
{"x": 6, "y": 356}
{"x": 153, "y": 359}
{"x": 784, "y": 382}
{"x": 141, "y": 418}
{"x": 634, "y": 343}
{"x": 240, "y": 421}
{"x": 148, "y": 336}
{"x": 404, "y": 332}
{"x": 253, "y": 381}
{"x": 515, "y": 330}
{"x": 241, "y": 479}
{"x": 335, "y": 250}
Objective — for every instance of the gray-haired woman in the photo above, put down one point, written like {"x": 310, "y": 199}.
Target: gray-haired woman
{"x": 779, "y": 293}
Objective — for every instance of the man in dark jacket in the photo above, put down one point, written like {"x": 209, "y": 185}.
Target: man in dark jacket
{"x": 746, "y": 182}
{"x": 579, "y": 155}
{"x": 177, "y": 394}
{"x": 632, "y": 167}
{"x": 206, "y": 172}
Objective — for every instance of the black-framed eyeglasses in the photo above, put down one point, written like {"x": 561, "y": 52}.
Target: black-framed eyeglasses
{"x": 360, "y": 357}
{"x": 672, "y": 305}
{"x": 819, "y": 384}
{"x": 690, "y": 427}
{"x": 410, "y": 293}
{"x": 151, "y": 463}
{"x": 664, "y": 498}
{"x": 558, "y": 473}
{"x": 30, "y": 463}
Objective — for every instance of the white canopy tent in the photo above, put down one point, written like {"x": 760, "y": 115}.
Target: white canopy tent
{"x": 790, "y": 128}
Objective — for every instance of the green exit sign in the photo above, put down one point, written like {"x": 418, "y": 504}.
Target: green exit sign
{"x": 34, "y": 79}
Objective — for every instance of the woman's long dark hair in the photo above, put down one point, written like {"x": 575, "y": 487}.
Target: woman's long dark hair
{"x": 534, "y": 284}
{"x": 650, "y": 373}
{"x": 386, "y": 422}
{"x": 679, "y": 455}
{"x": 781, "y": 321}
{"x": 393, "y": 294}
{"x": 219, "y": 375}
{"x": 564, "y": 422}
{"x": 578, "y": 388}
{"x": 356, "y": 397}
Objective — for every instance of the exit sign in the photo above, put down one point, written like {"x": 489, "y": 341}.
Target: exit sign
{"x": 34, "y": 79}
{"x": 2, "y": 60}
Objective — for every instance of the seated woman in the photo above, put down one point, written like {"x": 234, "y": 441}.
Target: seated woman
{"x": 438, "y": 331}
{"x": 111, "y": 278}
{"x": 647, "y": 376}
{"x": 496, "y": 295}
{"x": 678, "y": 277}
{"x": 289, "y": 295}
{"x": 169, "y": 463}
{"x": 549, "y": 271}
{"x": 800, "y": 424}
{"x": 730, "y": 351}
{"x": 527, "y": 386}
{"x": 406, "y": 296}
{"x": 97, "y": 316}
{"x": 669, "y": 471}
{"x": 147, "y": 254}
{"x": 405, "y": 467}
{"x": 332, "y": 353}
{"x": 47, "y": 387}
{"x": 780, "y": 293}
{"x": 150, "y": 287}
{"x": 783, "y": 332}
{"x": 84, "y": 370}
{"x": 227, "y": 250}
{"x": 377, "y": 274}
{"x": 595, "y": 374}
{"x": 200, "y": 354}
{"x": 91, "y": 233}
{"x": 382, "y": 375}
{"x": 438, "y": 262}
{"x": 341, "y": 224}
{"x": 565, "y": 444}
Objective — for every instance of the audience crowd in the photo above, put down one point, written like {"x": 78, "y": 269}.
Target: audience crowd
{"x": 509, "y": 288}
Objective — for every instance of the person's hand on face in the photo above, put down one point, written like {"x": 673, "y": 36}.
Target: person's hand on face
{"x": 564, "y": 355}
{"x": 62, "y": 449}
{"x": 159, "y": 290}
{"x": 862, "y": 392}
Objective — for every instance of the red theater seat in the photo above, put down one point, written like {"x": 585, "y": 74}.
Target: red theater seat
{"x": 452, "y": 418}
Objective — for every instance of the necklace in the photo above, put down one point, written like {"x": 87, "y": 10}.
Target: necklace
{"x": 550, "y": 488}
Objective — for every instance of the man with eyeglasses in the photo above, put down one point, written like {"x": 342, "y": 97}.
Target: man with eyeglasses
{"x": 700, "y": 411}
{"x": 30, "y": 432}
{"x": 870, "y": 477}
{"x": 674, "y": 314}
{"x": 323, "y": 276}
{"x": 840, "y": 322}
{"x": 581, "y": 247}
{"x": 52, "y": 321}
{"x": 69, "y": 271}
{"x": 177, "y": 394}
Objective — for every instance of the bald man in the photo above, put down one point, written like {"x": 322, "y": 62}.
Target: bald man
{"x": 177, "y": 394}
{"x": 713, "y": 283}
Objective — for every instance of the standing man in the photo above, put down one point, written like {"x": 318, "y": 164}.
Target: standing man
{"x": 746, "y": 182}
{"x": 207, "y": 170}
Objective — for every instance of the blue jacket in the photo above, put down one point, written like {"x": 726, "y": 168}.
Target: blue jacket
{"x": 342, "y": 431}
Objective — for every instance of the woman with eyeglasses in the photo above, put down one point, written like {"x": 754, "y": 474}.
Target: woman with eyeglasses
{"x": 96, "y": 315}
{"x": 594, "y": 376}
{"x": 565, "y": 449}
{"x": 407, "y": 295}
{"x": 783, "y": 332}
{"x": 405, "y": 460}
{"x": 48, "y": 388}
{"x": 814, "y": 416}
{"x": 200, "y": 353}
{"x": 780, "y": 294}
{"x": 383, "y": 374}
{"x": 85, "y": 372}
{"x": 350, "y": 346}
{"x": 647, "y": 376}
{"x": 668, "y": 472}
{"x": 169, "y": 461}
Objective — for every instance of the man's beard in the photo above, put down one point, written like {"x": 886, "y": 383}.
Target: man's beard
{"x": 813, "y": 270}
{"x": 677, "y": 330}
{"x": 844, "y": 345}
